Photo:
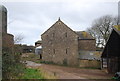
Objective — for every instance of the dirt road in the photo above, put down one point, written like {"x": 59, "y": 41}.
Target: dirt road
{"x": 62, "y": 72}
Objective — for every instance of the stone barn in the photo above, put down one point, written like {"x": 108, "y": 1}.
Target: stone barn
{"x": 62, "y": 45}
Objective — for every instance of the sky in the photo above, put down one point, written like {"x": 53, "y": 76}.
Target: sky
{"x": 32, "y": 18}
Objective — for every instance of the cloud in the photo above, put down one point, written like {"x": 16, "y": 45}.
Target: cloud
{"x": 33, "y": 18}
{"x": 71, "y": 1}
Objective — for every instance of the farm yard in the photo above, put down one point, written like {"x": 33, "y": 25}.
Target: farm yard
{"x": 65, "y": 72}
{"x": 59, "y": 51}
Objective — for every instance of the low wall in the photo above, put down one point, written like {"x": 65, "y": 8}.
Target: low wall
{"x": 90, "y": 63}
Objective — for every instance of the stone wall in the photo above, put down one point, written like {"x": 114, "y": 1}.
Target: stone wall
{"x": 28, "y": 49}
{"x": 90, "y": 63}
{"x": 8, "y": 43}
{"x": 8, "y": 40}
{"x": 7, "y": 50}
{"x": 60, "y": 45}
{"x": 88, "y": 45}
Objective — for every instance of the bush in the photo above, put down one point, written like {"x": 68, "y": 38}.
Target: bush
{"x": 11, "y": 66}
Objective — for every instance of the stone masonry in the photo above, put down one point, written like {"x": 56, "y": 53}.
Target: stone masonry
{"x": 7, "y": 39}
{"x": 61, "y": 45}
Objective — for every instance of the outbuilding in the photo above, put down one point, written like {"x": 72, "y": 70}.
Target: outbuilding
{"x": 111, "y": 51}
{"x": 38, "y": 51}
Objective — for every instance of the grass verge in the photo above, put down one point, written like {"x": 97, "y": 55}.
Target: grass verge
{"x": 30, "y": 73}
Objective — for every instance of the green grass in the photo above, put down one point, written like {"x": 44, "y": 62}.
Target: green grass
{"x": 30, "y": 73}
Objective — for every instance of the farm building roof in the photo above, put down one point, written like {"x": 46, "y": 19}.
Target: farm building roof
{"x": 38, "y": 42}
{"x": 84, "y": 35}
{"x": 112, "y": 47}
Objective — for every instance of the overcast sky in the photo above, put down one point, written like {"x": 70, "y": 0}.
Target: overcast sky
{"x": 33, "y": 18}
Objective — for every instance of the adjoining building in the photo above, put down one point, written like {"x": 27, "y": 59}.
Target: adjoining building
{"x": 62, "y": 45}
{"x": 38, "y": 43}
{"x": 38, "y": 48}
{"x": 111, "y": 52}
{"x": 28, "y": 49}
{"x": 24, "y": 48}
{"x": 7, "y": 39}
{"x": 38, "y": 51}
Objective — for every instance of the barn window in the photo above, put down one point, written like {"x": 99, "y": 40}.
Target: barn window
{"x": 54, "y": 51}
{"x": 53, "y": 34}
{"x": 66, "y": 34}
{"x": 66, "y": 51}
{"x": 5, "y": 28}
{"x": 47, "y": 36}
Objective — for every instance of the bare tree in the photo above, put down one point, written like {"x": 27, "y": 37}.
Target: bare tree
{"x": 18, "y": 38}
{"x": 101, "y": 29}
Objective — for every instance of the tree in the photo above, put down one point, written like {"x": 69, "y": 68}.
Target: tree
{"x": 18, "y": 38}
{"x": 101, "y": 29}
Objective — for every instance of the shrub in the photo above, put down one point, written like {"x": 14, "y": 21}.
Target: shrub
{"x": 11, "y": 66}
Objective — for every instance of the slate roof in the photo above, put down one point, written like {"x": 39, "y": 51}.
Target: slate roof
{"x": 38, "y": 42}
{"x": 84, "y": 35}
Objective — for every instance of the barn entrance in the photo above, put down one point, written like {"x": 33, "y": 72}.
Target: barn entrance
{"x": 40, "y": 56}
{"x": 114, "y": 65}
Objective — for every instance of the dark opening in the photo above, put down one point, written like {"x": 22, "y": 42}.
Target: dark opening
{"x": 66, "y": 34}
{"x": 53, "y": 34}
{"x": 66, "y": 51}
{"x": 54, "y": 51}
{"x": 40, "y": 56}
